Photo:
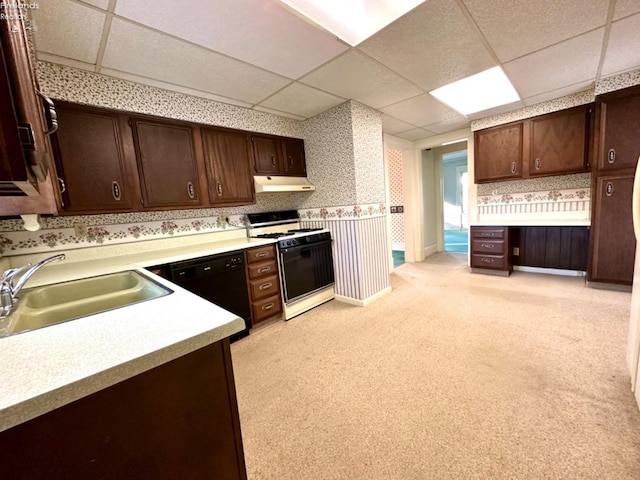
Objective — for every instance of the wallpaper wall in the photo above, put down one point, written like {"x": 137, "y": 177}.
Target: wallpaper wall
{"x": 394, "y": 158}
{"x": 368, "y": 153}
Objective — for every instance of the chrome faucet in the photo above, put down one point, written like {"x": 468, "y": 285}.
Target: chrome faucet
{"x": 9, "y": 290}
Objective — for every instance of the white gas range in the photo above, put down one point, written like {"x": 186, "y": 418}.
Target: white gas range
{"x": 305, "y": 259}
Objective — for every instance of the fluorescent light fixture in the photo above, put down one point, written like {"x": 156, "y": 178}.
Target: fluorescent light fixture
{"x": 455, "y": 141}
{"x": 352, "y": 20}
{"x": 478, "y": 92}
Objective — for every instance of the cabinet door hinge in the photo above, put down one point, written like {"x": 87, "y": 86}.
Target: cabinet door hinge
{"x": 25, "y": 131}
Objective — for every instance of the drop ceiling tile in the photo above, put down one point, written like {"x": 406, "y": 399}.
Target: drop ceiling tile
{"x": 516, "y": 28}
{"x": 624, "y": 8}
{"x": 561, "y": 92}
{"x": 623, "y": 49}
{"x": 356, "y": 76}
{"x": 420, "y": 110}
{"x": 509, "y": 107}
{"x": 68, "y": 29}
{"x": 448, "y": 125}
{"x": 415, "y": 134}
{"x": 260, "y": 32}
{"x": 301, "y": 100}
{"x": 103, "y": 4}
{"x": 47, "y": 57}
{"x": 432, "y": 45}
{"x": 172, "y": 87}
{"x": 571, "y": 62}
{"x": 277, "y": 112}
{"x": 393, "y": 125}
{"x": 139, "y": 51}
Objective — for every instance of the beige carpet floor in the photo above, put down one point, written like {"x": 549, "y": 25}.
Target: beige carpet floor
{"x": 452, "y": 375}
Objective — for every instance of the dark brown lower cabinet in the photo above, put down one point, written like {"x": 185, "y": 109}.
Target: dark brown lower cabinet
{"x": 176, "y": 421}
{"x": 562, "y": 247}
{"x": 613, "y": 244}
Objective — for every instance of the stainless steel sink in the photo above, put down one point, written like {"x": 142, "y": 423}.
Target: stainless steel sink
{"x": 51, "y": 304}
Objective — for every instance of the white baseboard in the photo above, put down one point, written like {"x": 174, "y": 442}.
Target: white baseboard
{"x": 430, "y": 250}
{"x": 366, "y": 301}
{"x": 550, "y": 271}
{"x": 397, "y": 246}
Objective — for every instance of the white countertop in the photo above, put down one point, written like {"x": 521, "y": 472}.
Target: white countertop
{"x": 44, "y": 369}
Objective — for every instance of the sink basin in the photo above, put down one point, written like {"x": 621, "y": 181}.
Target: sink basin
{"x": 59, "y": 302}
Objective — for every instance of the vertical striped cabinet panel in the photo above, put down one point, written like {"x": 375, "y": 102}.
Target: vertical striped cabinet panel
{"x": 360, "y": 255}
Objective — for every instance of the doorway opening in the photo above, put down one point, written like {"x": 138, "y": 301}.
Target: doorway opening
{"x": 455, "y": 202}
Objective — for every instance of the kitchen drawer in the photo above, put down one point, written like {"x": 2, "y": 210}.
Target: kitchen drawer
{"x": 494, "y": 262}
{"x": 267, "y": 308}
{"x": 259, "y": 270}
{"x": 493, "y": 247}
{"x": 264, "y": 287}
{"x": 489, "y": 232}
{"x": 260, "y": 254}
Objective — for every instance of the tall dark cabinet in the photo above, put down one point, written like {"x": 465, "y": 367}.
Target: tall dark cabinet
{"x": 617, "y": 150}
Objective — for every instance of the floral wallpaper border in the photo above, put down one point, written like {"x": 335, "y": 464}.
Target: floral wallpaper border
{"x": 22, "y": 242}
{"x": 349, "y": 212}
{"x": 573, "y": 202}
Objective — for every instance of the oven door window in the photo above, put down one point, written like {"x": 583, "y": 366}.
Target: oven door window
{"x": 306, "y": 269}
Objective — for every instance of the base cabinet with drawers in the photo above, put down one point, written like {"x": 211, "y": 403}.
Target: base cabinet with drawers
{"x": 491, "y": 250}
{"x": 264, "y": 283}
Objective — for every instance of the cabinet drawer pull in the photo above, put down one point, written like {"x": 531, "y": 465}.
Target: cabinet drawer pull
{"x": 53, "y": 115}
{"x": 611, "y": 156}
{"x": 609, "y": 189}
{"x": 219, "y": 188}
{"x": 487, "y": 245}
{"x": 487, "y": 260}
{"x": 116, "y": 191}
{"x": 268, "y": 306}
{"x": 514, "y": 167}
{"x": 265, "y": 286}
{"x": 486, "y": 234}
{"x": 264, "y": 269}
{"x": 191, "y": 191}
{"x": 290, "y": 162}
{"x": 273, "y": 161}
{"x": 538, "y": 163}
{"x": 262, "y": 254}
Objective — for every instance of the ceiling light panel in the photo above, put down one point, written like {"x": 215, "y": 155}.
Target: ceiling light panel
{"x": 478, "y": 92}
{"x": 352, "y": 21}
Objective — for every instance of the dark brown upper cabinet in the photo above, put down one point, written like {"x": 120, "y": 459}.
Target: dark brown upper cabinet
{"x": 552, "y": 144}
{"x": 293, "y": 157}
{"x": 167, "y": 163}
{"x": 27, "y": 118}
{"x": 273, "y": 155}
{"x": 229, "y": 165}
{"x": 91, "y": 161}
{"x": 560, "y": 142}
{"x": 498, "y": 153}
{"x": 619, "y": 129}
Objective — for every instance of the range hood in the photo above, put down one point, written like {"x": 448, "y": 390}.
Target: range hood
{"x": 282, "y": 184}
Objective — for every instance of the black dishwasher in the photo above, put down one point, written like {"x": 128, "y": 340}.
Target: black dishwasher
{"x": 219, "y": 279}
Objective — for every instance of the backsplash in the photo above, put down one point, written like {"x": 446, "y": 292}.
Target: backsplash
{"x": 560, "y": 182}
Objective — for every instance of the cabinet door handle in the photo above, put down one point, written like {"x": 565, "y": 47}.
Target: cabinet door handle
{"x": 63, "y": 186}
{"x": 219, "y": 188}
{"x": 487, "y": 260}
{"x": 268, "y": 306}
{"x": 609, "y": 189}
{"x": 514, "y": 167}
{"x": 487, "y": 245}
{"x": 191, "y": 191}
{"x": 273, "y": 161}
{"x": 290, "y": 162}
{"x": 264, "y": 269}
{"x": 265, "y": 286}
{"x": 116, "y": 191}
{"x": 52, "y": 113}
{"x": 538, "y": 163}
{"x": 611, "y": 156}
{"x": 262, "y": 254}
